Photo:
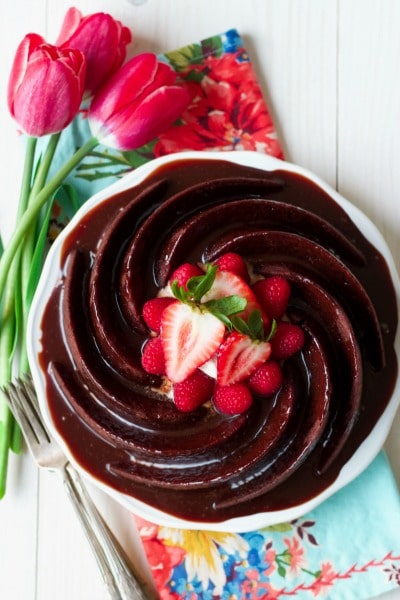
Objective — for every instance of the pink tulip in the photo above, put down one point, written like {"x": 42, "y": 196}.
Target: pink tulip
{"x": 45, "y": 87}
{"x": 101, "y": 38}
{"x": 137, "y": 104}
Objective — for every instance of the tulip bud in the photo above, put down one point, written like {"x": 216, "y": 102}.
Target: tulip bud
{"x": 45, "y": 87}
{"x": 137, "y": 104}
{"x": 101, "y": 38}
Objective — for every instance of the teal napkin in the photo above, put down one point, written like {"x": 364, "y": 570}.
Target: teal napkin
{"x": 348, "y": 547}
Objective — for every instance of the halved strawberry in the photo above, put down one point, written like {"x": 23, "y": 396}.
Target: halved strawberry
{"x": 189, "y": 338}
{"x": 239, "y": 356}
{"x": 229, "y": 284}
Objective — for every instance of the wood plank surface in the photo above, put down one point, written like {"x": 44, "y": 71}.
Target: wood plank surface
{"x": 329, "y": 71}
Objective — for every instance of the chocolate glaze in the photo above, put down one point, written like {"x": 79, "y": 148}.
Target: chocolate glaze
{"x": 203, "y": 465}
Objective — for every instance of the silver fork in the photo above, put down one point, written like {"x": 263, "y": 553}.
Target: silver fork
{"x": 121, "y": 581}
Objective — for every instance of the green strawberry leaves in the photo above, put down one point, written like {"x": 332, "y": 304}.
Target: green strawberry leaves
{"x": 254, "y": 326}
{"x": 198, "y": 286}
{"x": 226, "y": 309}
{"x": 223, "y": 308}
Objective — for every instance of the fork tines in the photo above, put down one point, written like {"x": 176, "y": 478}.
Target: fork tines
{"x": 24, "y": 405}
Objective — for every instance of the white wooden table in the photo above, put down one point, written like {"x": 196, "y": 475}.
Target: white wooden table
{"x": 330, "y": 73}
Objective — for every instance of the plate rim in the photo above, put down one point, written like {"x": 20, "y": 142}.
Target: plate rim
{"x": 357, "y": 463}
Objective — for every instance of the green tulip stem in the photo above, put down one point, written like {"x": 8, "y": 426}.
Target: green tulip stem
{"x": 8, "y": 326}
{"x": 34, "y": 207}
{"x": 28, "y": 247}
{"x": 24, "y": 267}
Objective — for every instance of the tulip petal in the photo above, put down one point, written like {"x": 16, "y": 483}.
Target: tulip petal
{"x": 124, "y": 87}
{"x": 101, "y": 38}
{"x": 18, "y": 69}
{"x": 157, "y": 112}
{"x": 165, "y": 75}
{"x": 97, "y": 38}
{"x": 71, "y": 21}
{"x": 48, "y": 98}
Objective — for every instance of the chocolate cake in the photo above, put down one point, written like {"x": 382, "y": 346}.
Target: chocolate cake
{"x": 118, "y": 420}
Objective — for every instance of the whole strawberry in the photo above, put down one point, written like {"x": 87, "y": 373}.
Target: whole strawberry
{"x": 232, "y": 399}
{"x": 194, "y": 391}
{"x": 267, "y": 379}
{"x": 288, "y": 340}
{"x": 273, "y": 294}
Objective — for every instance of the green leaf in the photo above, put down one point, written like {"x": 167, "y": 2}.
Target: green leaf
{"x": 195, "y": 76}
{"x": 227, "y": 306}
{"x": 89, "y": 176}
{"x": 199, "y": 285}
{"x": 212, "y": 45}
{"x": 253, "y": 328}
{"x": 256, "y": 325}
{"x": 281, "y": 571}
{"x": 272, "y": 332}
{"x": 317, "y": 574}
{"x": 181, "y": 58}
{"x": 241, "y": 326}
{"x": 179, "y": 291}
{"x": 280, "y": 527}
{"x": 226, "y": 320}
{"x": 72, "y": 196}
{"x": 106, "y": 158}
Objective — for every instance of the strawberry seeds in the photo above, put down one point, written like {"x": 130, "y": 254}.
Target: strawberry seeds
{"x": 215, "y": 337}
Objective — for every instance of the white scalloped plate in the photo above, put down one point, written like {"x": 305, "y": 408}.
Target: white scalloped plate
{"x": 49, "y": 279}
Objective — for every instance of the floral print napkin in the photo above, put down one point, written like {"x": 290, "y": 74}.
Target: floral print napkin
{"x": 348, "y": 547}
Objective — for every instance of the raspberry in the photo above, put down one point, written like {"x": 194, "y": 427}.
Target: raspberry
{"x": 288, "y": 340}
{"x": 183, "y": 273}
{"x": 232, "y": 399}
{"x": 194, "y": 391}
{"x": 153, "y": 310}
{"x": 267, "y": 379}
{"x": 273, "y": 294}
{"x": 233, "y": 263}
{"x": 153, "y": 359}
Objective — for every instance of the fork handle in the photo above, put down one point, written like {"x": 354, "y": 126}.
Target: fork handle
{"x": 122, "y": 583}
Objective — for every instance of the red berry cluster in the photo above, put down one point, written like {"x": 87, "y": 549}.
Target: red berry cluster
{"x": 187, "y": 335}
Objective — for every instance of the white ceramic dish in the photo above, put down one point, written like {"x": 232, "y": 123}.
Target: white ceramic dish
{"x": 358, "y": 462}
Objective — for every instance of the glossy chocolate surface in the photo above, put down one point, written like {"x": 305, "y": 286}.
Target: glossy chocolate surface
{"x": 203, "y": 465}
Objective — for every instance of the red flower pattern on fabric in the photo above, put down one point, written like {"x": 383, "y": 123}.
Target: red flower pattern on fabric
{"x": 227, "y": 111}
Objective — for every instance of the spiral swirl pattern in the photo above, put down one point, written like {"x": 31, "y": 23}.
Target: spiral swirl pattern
{"x": 203, "y": 465}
